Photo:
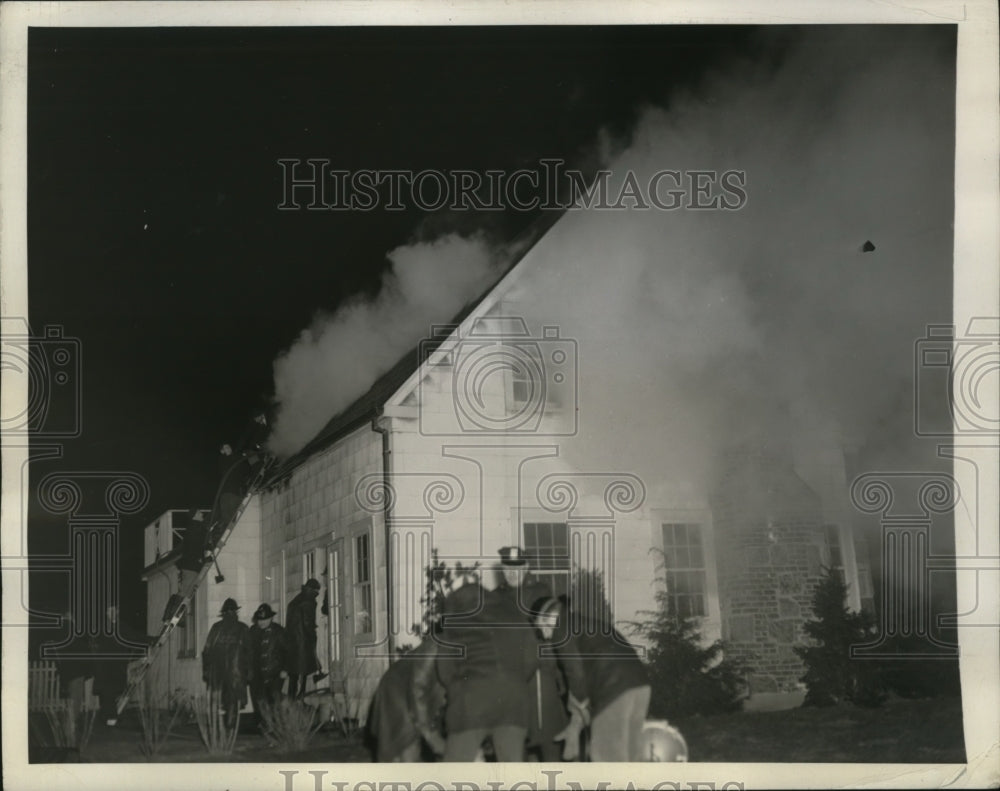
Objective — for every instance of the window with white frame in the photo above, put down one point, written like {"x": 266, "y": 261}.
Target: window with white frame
{"x": 308, "y": 566}
{"x": 684, "y": 569}
{"x": 363, "y": 599}
{"x": 547, "y": 546}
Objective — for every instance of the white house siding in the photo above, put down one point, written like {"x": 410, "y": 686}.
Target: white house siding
{"x": 239, "y": 562}
{"x": 489, "y": 490}
{"x": 488, "y": 485}
{"x": 499, "y": 483}
{"x": 309, "y": 512}
{"x": 170, "y": 670}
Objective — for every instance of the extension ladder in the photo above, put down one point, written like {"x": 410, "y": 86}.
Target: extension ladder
{"x": 181, "y": 608}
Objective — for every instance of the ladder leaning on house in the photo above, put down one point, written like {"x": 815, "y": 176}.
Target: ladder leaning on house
{"x": 179, "y": 611}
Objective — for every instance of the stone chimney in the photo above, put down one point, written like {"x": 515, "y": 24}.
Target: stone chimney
{"x": 768, "y": 533}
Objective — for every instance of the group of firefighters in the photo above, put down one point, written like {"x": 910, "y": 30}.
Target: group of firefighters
{"x": 511, "y": 669}
{"x": 262, "y": 656}
{"x": 517, "y": 669}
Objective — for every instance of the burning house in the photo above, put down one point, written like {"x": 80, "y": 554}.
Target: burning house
{"x": 490, "y": 433}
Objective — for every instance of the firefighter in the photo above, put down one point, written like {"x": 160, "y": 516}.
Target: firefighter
{"x": 485, "y": 665}
{"x": 193, "y": 558}
{"x": 407, "y": 707}
{"x": 268, "y": 663}
{"x": 545, "y": 689}
{"x": 225, "y": 661}
{"x": 301, "y": 626}
{"x": 608, "y": 684}
{"x": 237, "y": 467}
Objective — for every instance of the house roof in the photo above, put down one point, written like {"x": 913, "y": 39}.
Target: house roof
{"x": 368, "y": 405}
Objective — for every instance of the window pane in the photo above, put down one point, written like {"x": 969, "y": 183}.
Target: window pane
{"x": 363, "y": 609}
{"x": 361, "y": 546}
{"x": 546, "y": 544}
{"x": 682, "y": 546}
{"x": 698, "y": 605}
{"x": 694, "y": 535}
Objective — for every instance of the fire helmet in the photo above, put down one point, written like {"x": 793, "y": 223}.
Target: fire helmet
{"x": 662, "y": 742}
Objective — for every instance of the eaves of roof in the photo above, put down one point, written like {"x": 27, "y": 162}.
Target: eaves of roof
{"x": 368, "y": 406}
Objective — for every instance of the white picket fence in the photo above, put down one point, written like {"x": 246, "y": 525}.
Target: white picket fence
{"x": 43, "y": 688}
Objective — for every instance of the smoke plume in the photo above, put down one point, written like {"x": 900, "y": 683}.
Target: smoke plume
{"x": 337, "y": 358}
{"x": 773, "y": 323}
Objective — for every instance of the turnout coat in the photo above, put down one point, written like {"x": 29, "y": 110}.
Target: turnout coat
{"x": 599, "y": 663}
{"x": 407, "y": 704}
{"x": 485, "y": 661}
{"x": 225, "y": 660}
{"x": 301, "y": 627}
{"x": 547, "y": 711}
{"x": 268, "y": 652}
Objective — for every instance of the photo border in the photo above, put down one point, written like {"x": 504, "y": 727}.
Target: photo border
{"x": 976, "y": 286}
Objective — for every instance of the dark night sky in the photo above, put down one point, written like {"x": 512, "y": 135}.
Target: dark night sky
{"x": 154, "y": 236}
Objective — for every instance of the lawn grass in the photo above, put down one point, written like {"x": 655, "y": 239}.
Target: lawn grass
{"x": 900, "y": 731}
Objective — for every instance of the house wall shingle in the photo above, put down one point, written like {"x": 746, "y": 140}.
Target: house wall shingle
{"x": 310, "y": 510}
